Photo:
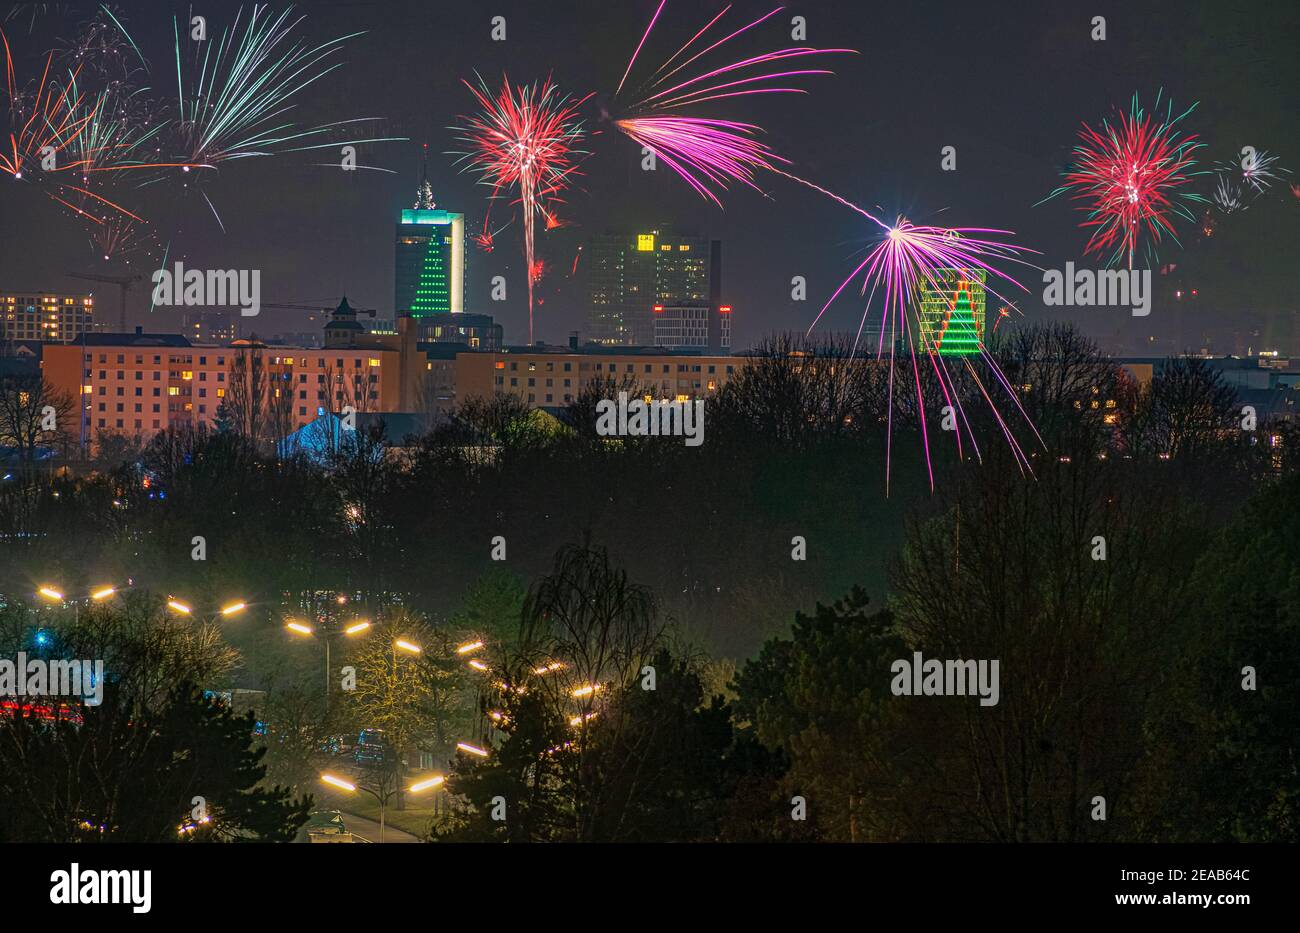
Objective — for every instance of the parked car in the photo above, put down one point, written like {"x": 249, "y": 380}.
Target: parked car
{"x": 371, "y": 748}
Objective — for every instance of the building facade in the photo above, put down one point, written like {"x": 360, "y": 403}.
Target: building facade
{"x": 628, "y": 274}
{"x": 950, "y": 312}
{"x": 429, "y": 257}
{"x": 555, "y": 377}
{"x": 139, "y": 384}
{"x": 52, "y": 318}
{"x": 692, "y": 327}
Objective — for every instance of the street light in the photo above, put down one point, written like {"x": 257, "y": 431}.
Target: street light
{"x": 435, "y": 781}
{"x": 177, "y": 606}
{"x": 51, "y": 594}
{"x": 338, "y": 782}
{"x": 471, "y": 749}
{"x": 301, "y": 628}
{"x": 233, "y": 608}
{"x": 407, "y": 646}
{"x": 381, "y": 796}
{"x": 102, "y": 593}
{"x": 472, "y": 646}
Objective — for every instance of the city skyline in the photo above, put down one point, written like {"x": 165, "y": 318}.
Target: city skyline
{"x": 318, "y": 233}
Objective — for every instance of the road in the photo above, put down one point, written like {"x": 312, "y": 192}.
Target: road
{"x": 369, "y": 829}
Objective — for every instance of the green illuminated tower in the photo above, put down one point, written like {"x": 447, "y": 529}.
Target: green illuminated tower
{"x": 429, "y": 275}
{"x": 950, "y": 311}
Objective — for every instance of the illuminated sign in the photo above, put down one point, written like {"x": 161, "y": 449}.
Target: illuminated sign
{"x": 645, "y": 242}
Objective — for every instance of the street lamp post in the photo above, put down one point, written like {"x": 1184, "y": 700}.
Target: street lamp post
{"x": 327, "y": 636}
{"x": 383, "y": 793}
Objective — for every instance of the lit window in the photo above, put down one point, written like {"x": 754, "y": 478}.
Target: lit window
{"x": 173, "y": 390}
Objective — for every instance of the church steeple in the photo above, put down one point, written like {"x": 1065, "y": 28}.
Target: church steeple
{"x": 424, "y": 193}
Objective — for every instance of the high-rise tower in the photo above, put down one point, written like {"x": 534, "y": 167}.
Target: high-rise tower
{"x": 429, "y": 271}
{"x": 950, "y": 311}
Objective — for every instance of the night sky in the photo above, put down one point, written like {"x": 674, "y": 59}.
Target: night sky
{"x": 1007, "y": 84}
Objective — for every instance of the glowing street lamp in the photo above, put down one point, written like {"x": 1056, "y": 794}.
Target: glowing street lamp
{"x": 586, "y": 690}
{"x": 177, "y": 606}
{"x": 298, "y": 627}
{"x": 233, "y": 608}
{"x": 356, "y": 628}
{"x": 381, "y": 796}
{"x": 50, "y": 593}
{"x": 436, "y": 781}
{"x": 478, "y": 665}
{"x": 471, "y": 749}
{"x": 407, "y": 646}
{"x": 471, "y": 647}
{"x": 103, "y": 593}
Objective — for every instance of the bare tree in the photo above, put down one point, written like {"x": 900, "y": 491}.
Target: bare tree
{"x": 245, "y": 401}
{"x": 32, "y": 412}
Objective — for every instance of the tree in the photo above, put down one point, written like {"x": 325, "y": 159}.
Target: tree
{"x": 32, "y": 412}
{"x": 821, "y": 698}
{"x": 1240, "y": 699}
{"x": 184, "y": 769}
{"x": 419, "y": 700}
{"x": 246, "y": 393}
{"x": 492, "y": 607}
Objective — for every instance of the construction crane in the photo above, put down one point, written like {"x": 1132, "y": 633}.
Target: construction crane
{"x": 124, "y": 282}
{"x": 280, "y": 306}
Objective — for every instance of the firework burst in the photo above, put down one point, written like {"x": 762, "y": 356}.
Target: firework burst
{"x": 906, "y": 259}
{"x": 522, "y": 145}
{"x": 245, "y": 82}
{"x": 1228, "y": 195}
{"x": 708, "y": 153}
{"x": 1133, "y": 175}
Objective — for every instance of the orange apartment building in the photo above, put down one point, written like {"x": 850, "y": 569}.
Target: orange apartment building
{"x": 140, "y": 384}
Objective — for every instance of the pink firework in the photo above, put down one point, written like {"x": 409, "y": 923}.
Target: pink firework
{"x": 905, "y": 260}
{"x": 1131, "y": 177}
{"x": 708, "y": 153}
{"x": 522, "y": 141}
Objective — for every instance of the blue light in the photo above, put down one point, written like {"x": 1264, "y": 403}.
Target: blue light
{"x": 42, "y": 638}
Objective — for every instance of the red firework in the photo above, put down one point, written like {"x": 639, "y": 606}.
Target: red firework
{"x": 522, "y": 141}
{"x": 1131, "y": 176}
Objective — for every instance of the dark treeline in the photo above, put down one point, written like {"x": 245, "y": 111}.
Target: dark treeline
{"x": 1131, "y": 569}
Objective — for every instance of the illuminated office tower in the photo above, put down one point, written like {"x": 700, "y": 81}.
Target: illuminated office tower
{"x": 950, "y": 312}
{"x": 628, "y": 274}
{"x": 429, "y": 276}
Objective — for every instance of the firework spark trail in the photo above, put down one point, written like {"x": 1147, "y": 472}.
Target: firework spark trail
{"x": 1132, "y": 176}
{"x": 51, "y": 126}
{"x": 522, "y": 141}
{"x": 907, "y": 257}
{"x": 708, "y": 153}
{"x": 242, "y": 86}
{"x": 245, "y": 82}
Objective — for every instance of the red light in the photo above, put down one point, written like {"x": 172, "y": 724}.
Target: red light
{"x": 725, "y": 309}
{"x": 658, "y": 308}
